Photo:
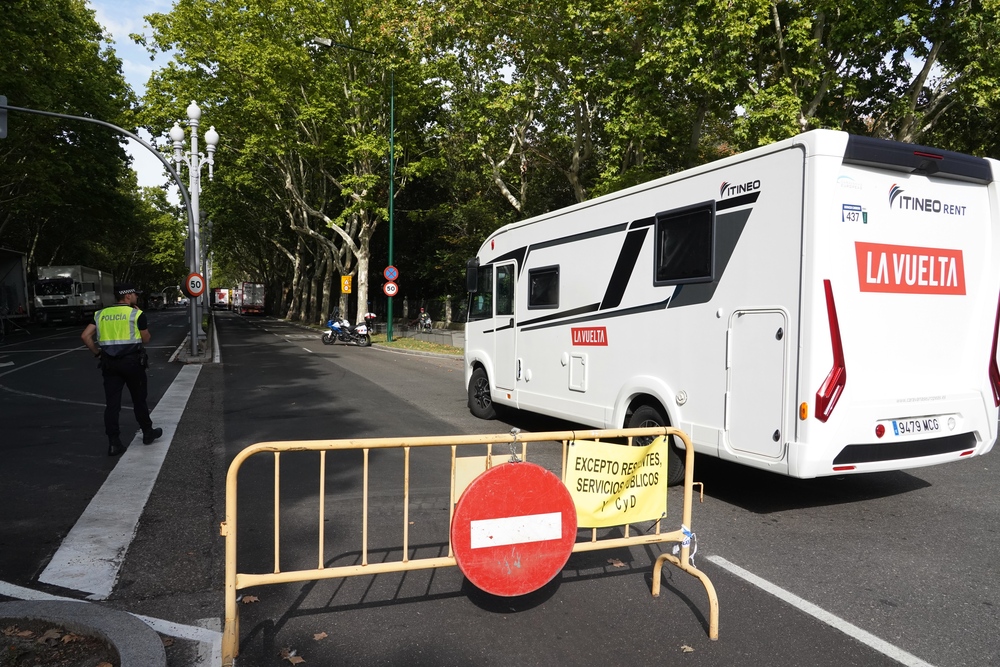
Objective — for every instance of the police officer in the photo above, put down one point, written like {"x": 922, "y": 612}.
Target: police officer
{"x": 121, "y": 331}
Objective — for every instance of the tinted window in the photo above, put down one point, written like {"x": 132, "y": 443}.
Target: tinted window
{"x": 481, "y": 302}
{"x": 543, "y": 287}
{"x": 685, "y": 245}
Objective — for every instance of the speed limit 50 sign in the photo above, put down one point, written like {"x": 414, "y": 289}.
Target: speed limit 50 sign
{"x": 194, "y": 286}
{"x": 390, "y": 288}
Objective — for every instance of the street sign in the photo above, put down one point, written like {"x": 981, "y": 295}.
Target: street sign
{"x": 513, "y": 529}
{"x": 345, "y": 284}
{"x": 390, "y": 289}
{"x": 391, "y": 273}
{"x": 194, "y": 286}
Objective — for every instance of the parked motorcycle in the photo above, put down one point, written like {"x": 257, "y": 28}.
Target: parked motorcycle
{"x": 340, "y": 329}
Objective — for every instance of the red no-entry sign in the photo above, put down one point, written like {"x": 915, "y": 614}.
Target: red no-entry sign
{"x": 513, "y": 529}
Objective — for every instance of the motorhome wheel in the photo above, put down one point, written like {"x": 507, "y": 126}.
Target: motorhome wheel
{"x": 645, "y": 416}
{"x": 480, "y": 400}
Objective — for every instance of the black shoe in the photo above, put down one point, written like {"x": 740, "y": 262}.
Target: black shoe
{"x": 152, "y": 434}
{"x": 115, "y": 446}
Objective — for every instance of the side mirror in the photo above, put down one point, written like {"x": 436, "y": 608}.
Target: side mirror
{"x": 472, "y": 275}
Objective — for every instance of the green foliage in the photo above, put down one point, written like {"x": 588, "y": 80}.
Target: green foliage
{"x": 503, "y": 111}
{"x": 67, "y": 195}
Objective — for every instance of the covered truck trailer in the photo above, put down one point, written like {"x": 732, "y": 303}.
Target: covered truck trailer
{"x": 71, "y": 293}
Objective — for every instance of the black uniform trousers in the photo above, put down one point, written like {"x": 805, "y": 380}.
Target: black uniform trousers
{"x": 121, "y": 372}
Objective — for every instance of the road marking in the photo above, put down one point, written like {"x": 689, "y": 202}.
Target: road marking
{"x": 90, "y": 557}
{"x": 308, "y": 350}
{"x": 21, "y": 368}
{"x": 849, "y": 629}
{"x": 60, "y": 400}
{"x": 204, "y": 635}
{"x": 6, "y": 363}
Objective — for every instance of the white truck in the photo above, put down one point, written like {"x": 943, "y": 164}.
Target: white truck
{"x": 825, "y": 305}
{"x": 71, "y": 293}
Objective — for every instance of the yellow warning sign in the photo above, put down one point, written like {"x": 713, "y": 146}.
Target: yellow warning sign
{"x": 614, "y": 484}
{"x": 345, "y": 284}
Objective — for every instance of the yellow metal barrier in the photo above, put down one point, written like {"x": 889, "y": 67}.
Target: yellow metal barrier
{"x": 236, "y": 581}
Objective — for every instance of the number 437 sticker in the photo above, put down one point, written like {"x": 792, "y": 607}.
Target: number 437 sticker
{"x": 854, "y": 213}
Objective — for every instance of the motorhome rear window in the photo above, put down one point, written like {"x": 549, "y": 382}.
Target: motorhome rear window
{"x": 481, "y": 301}
{"x": 543, "y": 287}
{"x": 685, "y": 245}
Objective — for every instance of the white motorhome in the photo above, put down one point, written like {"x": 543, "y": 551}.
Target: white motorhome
{"x": 825, "y": 305}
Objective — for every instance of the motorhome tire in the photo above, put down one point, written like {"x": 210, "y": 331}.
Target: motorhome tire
{"x": 646, "y": 416}
{"x": 480, "y": 400}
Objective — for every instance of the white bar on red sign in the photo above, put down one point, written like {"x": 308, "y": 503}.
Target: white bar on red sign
{"x": 516, "y": 530}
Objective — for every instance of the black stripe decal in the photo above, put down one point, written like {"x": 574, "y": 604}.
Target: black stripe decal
{"x": 604, "y": 231}
{"x": 566, "y": 313}
{"x": 728, "y": 229}
{"x": 600, "y": 316}
{"x": 623, "y": 269}
{"x": 742, "y": 200}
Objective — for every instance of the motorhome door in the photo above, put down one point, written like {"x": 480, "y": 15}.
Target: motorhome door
{"x": 504, "y": 336}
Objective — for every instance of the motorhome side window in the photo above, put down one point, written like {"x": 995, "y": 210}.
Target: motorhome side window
{"x": 685, "y": 245}
{"x": 543, "y": 287}
{"x": 481, "y": 301}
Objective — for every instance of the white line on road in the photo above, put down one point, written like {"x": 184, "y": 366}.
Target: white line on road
{"x": 53, "y": 398}
{"x": 849, "y": 629}
{"x": 91, "y": 556}
{"x": 21, "y": 368}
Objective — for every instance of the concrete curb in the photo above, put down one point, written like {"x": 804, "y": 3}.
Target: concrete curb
{"x": 136, "y": 643}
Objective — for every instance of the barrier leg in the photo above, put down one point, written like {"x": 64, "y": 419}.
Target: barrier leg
{"x": 713, "y": 599}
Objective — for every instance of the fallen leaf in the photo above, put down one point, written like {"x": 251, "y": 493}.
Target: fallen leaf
{"x": 616, "y": 563}
{"x": 289, "y": 655}
{"x": 247, "y": 599}
{"x": 686, "y": 649}
{"x": 51, "y": 633}
{"x": 167, "y": 641}
{"x": 105, "y": 664}
{"x": 25, "y": 633}
{"x": 9, "y": 630}
{"x": 320, "y": 635}
{"x": 70, "y": 637}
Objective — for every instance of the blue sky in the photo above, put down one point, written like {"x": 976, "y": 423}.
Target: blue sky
{"x": 121, "y": 18}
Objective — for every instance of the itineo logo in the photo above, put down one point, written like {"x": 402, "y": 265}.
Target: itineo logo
{"x": 728, "y": 189}
{"x": 590, "y": 336}
{"x": 909, "y": 269}
{"x": 923, "y": 204}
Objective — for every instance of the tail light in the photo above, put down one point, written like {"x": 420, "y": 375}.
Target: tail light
{"x": 994, "y": 371}
{"x": 833, "y": 386}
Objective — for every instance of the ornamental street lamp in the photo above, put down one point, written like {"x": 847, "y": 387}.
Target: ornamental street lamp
{"x": 329, "y": 43}
{"x": 194, "y": 161}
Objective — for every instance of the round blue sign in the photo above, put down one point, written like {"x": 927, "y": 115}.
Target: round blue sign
{"x": 391, "y": 273}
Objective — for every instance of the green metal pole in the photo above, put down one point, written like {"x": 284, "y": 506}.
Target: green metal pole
{"x": 392, "y": 180}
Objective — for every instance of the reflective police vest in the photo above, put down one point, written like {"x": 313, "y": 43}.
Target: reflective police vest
{"x": 116, "y": 330}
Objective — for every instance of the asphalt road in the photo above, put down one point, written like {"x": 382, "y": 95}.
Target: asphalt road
{"x": 909, "y": 558}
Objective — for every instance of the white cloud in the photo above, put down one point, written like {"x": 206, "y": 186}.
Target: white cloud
{"x": 121, "y": 18}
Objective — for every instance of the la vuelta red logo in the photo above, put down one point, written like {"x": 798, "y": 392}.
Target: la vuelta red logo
{"x": 590, "y": 336}
{"x": 909, "y": 269}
